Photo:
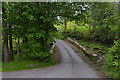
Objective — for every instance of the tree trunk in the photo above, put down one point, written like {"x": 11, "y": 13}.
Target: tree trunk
{"x": 65, "y": 24}
{"x": 70, "y": 25}
{"x": 18, "y": 49}
{"x": 93, "y": 27}
{"x": 6, "y": 54}
{"x": 89, "y": 29}
{"x": 11, "y": 45}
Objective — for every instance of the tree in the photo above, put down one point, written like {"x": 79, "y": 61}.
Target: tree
{"x": 6, "y": 54}
{"x": 32, "y": 24}
{"x": 72, "y": 11}
{"x": 5, "y": 37}
{"x": 11, "y": 44}
{"x": 101, "y": 19}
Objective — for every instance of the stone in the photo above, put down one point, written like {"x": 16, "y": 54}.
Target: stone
{"x": 31, "y": 65}
{"x": 12, "y": 66}
{"x": 94, "y": 55}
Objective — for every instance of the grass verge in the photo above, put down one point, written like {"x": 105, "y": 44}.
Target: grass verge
{"x": 24, "y": 64}
{"x": 95, "y": 47}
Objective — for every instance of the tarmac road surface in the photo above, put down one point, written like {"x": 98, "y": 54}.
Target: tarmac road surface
{"x": 71, "y": 66}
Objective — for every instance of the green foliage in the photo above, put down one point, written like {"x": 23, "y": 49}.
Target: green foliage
{"x": 59, "y": 35}
{"x": 104, "y": 21}
{"x": 112, "y": 60}
{"x": 96, "y": 47}
{"x": 34, "y": 23}
{"x": 103, "y": 35}
{"x": 75, "y": 34}
{"x": 73, "y": 26}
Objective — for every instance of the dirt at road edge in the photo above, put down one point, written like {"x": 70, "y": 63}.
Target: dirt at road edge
{"x": 57, "y": 55}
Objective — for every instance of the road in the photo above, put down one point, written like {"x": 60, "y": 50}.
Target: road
{"x": 71, "y": 66}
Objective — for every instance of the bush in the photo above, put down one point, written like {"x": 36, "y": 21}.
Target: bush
{"x": 34, "y": 50}
{"x": 96, "y": 47}
{"x": 103, "y": 35}
{"x": 73, "y": 34}
{"x": 112, "y": 60}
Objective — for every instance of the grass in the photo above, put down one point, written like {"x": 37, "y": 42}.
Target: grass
{"x": 24, "y": 64}
{"x": 73, "y": 26}
{"x": 95, "y": 47}
{"x": 91, "y": 44}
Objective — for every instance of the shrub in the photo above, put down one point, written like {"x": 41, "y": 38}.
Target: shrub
{"x": 104, "y": 35}
{"x": 112, "y": 60}
{"x": 34, "y": 50}
{"x": 73, "y": 34}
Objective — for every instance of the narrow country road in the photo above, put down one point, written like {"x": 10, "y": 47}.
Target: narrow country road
{"x": 71, "y": 66}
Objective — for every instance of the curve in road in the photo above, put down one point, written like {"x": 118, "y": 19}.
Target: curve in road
{"x": 71, "y": 66}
